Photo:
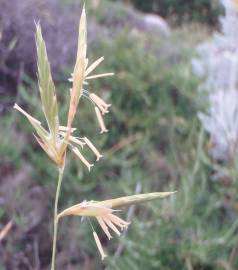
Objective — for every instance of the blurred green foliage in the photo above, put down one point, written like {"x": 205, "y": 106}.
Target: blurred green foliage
{"x": 155, "y": 143}
{"x": 204, "y": 11}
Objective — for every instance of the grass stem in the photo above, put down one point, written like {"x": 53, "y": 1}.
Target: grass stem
{"x": 56, "y": 219}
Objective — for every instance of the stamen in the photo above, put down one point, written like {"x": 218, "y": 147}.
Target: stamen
{"x": 104, "y": 227}
{"x": 102, "y": 109}
{"x": 99, "y": 100}
{"x": 82, "y": 158}
{"x": 111, "y": 225}
{"x": 103, "y": 106}
{"x": 118, "y": 221}
{"x": 99, "y": 245}
{"x": 73, "y": 139}
{"x": 93, "y": 148}
{"x": 99, "y": 76}
{"x": 93, "y": 66}
{"x": 100, "y": 121}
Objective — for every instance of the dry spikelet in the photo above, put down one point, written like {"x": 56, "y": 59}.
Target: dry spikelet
{"x": 104, "y": 213}
{"x": 92, "y": 208}
{"x": 46, "y": 85}
{"x": 79, "y": 69}
{"x": 134, "y": 199}
{"x": 56, "y": 139}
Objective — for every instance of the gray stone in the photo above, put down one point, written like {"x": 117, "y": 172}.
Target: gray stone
{"x": 155, "y": 23}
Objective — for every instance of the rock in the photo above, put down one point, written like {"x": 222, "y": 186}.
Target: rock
{"x": 33, "y": 207}
{"x": 155, "y": 23}
{"x": 19, "y": 194}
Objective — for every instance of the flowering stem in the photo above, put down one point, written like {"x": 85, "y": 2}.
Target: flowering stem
{"x": 56, "y": 218}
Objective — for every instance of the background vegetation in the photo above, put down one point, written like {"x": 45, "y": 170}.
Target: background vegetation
{"x": 156, "y": 143}
{"x": 205, "y": 11}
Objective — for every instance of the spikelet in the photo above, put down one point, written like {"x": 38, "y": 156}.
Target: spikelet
{"x": 46, "y": 85}
{"x": 104, "y": 213}
{"x": 93, "y": 208}
{"x": 56, "y": 139}
{"x": 134, "y": 199}
{"x": 79, "y": 69}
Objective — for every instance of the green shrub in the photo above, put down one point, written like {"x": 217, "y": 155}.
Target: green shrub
{"x": 183, "y": 10}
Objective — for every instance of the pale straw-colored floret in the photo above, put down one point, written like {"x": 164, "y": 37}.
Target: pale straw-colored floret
{"x": 86, "y": 209}
{"x": 30, "y": 118}
{"x": 100, "y": 121}
{"x": 104, "y": 216}
{"x": 104, "y": 227}
{"x": 99, "y": 245}
{"x": 111, "y": 225}
{"x": 99, "y": 76}
{"x": 118, "y": 221}
{"x": 110, "y": 220}
{"x": 93, "y": 148}
{"x": 82, "y": 158}
{"x": 73, "y": 139}
{"x": 101, "y": 104}
{"x": 93, "y": 66}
